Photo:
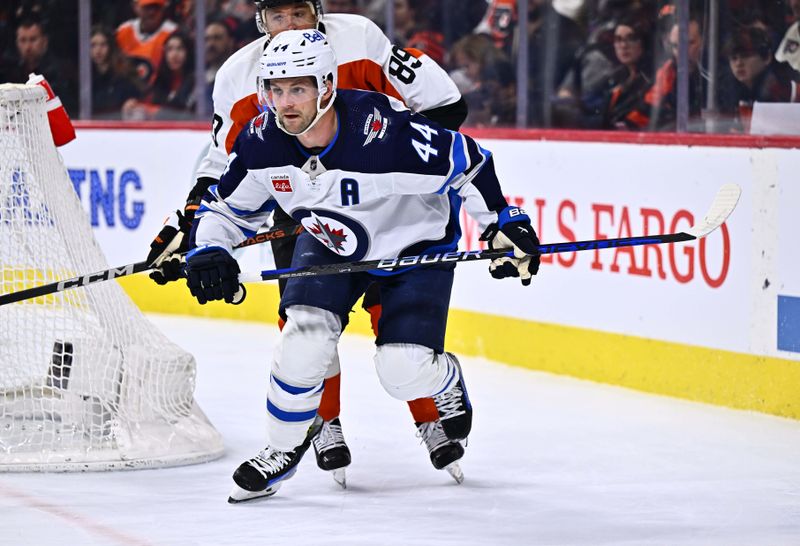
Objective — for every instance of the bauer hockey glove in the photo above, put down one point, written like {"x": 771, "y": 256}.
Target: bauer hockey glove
{"x": 166, "y": 248}
{"x": 513, "y": 230}
{"x": 213, "y": 274}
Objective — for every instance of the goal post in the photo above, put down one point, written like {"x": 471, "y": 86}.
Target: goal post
{"x": 86, "y": 381}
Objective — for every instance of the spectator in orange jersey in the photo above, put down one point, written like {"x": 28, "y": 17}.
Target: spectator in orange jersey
{"x": 172, "y": 95}
{"x": 142, "y": 39}
{"x": 426, "y": 34}
{"x": 499, "y": 22}
{"x": 657, "y": 110}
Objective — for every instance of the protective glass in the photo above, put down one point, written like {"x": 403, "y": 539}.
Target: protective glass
{"x": 297, "y": 16}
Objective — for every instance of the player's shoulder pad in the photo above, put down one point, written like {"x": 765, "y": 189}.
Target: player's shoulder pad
{"x": 373, "y": 113}
{"x": 260, "y": 142}
{"x": 347, "y": 22}
{"x": 355, "y": 38}
{"x": 406, "y": 142}
{"x": 242, "y": 60}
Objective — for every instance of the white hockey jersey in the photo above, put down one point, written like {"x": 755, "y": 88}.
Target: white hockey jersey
{"x": 366, "y": 59}
{"x": 390, "y": 184}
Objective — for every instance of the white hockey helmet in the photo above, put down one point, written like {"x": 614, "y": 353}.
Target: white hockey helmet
{"x": 298, "y": 54}
{"x": 261, "y": 5}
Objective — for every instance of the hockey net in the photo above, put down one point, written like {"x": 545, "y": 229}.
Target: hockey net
{"x": 86, "y": 382}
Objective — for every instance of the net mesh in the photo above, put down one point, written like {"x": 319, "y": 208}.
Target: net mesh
{"x": 86, "y": 382}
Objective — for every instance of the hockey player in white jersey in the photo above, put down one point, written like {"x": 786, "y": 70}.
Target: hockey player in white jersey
{"x": 367, "y": 179}
{"x": 367, "y": 60}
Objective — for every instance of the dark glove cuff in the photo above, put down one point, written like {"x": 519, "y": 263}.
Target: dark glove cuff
{"x": 186, "y": 218}
{"x": 489, "y": 233}
{"x": 207, "y": 249}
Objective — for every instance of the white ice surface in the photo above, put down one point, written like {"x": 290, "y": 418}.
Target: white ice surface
{"x": 551, "y": 460}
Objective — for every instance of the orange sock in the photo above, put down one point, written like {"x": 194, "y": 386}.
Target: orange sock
{"x": 423, "y": 410}
{"x": 374, "y": 316}
{"x": 329, "y": 405}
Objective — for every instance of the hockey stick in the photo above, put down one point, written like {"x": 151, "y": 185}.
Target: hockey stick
{"x": 130, "y": 269}
{"x": 723, "y": 205}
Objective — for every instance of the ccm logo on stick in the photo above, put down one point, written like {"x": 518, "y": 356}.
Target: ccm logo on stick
{"x": 94, "y": 277}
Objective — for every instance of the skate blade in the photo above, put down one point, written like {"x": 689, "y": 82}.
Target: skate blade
{"x": 340, "y": 477}
{"x": 238, "y": 494}
{"x": 454, "y": 469}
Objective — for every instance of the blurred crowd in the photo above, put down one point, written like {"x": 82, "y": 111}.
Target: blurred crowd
{"x": 591, "y": 64}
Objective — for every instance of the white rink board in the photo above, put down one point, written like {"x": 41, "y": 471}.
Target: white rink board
{"x": 572, "y": 191}
{"x": 788, "y": 226}
{"x": 163, "y": 162}
{"x": 587, "y": 191}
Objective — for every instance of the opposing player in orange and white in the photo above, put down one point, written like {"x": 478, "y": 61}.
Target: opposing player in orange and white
{"x": 367, "y": 60}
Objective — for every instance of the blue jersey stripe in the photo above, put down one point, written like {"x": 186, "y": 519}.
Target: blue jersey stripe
{"x": 291, "y": 389}
{"x": 290, "y": 416}
{"x": 459, "y": 161}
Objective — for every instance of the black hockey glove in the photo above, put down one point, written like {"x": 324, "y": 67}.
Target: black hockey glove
{"x": 169, "y": 244}
{"x": 173, "y": 239}
{"x": 514, "y": 230}
{"x": 213, "y": 274}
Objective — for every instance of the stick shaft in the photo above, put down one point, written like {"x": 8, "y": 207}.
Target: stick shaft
{"x": 129, "y": 269}
{"x": 458, "y": 256}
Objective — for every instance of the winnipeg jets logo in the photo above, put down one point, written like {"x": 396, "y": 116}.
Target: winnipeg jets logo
{"x": 341, "y": 234}
{"x": 333, "y": 238}
{"x": 375, "y": 126}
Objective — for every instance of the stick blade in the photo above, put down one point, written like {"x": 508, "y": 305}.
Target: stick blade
{"x": 721, "y": 208}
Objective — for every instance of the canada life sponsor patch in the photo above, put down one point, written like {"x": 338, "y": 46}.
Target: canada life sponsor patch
{"x": 375, "y": 126}
{"x": 281, "y": 182}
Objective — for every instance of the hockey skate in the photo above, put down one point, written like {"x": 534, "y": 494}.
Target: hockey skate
{"x": 264, "y": 474}
{"x": 332, "y": 452}
{"x": 444, "y": 452}
{"x": 455, "y": 409}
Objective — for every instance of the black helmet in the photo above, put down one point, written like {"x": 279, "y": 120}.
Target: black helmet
{"x": 263, "y": 4}
{"x": 316, "y": 5}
